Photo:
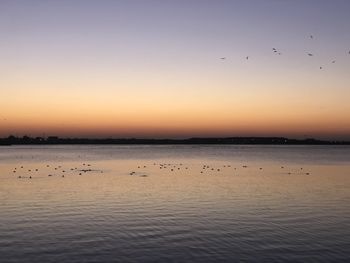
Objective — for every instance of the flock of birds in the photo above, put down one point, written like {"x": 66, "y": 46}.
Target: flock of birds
{"x": 61, "y": 171}
{"x": 277, "y": 52}
{"x": 53, "y": 171}
{"x": 207, "y": 168}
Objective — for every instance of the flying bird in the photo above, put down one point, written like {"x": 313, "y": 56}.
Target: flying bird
{"x": 311, "y": 36}
{"x": 320, "y": 67}
{"x": 223, "y": 58}
{"x": 310, "y": 55}
{"x": 333, "y": 61}
{"x": 247, "y": 57}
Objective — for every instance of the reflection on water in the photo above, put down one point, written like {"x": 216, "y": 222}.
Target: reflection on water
{"x": 174, "y": 203}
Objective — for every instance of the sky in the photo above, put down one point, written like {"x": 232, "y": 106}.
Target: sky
{"x": 153, "y": 69}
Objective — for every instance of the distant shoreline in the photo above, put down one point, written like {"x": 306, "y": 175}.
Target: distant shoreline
{"x": 11, "y": 140}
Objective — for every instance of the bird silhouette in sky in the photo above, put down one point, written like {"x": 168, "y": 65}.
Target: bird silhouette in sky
{"x": 223, "y": 58}
{"x": 310, "y": 54}
{"x": 311, "y": 36}
{"x": 247, "y": 57}
{"x": 333, "y": 61}
{"x": 276, "y": 51}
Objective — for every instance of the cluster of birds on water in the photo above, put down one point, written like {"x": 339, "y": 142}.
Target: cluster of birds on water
{"x": 53, "y": 170}
{"x": 86, "y": 167}
{"x": 204, "y": 168}
{"x": 277, "y": 52}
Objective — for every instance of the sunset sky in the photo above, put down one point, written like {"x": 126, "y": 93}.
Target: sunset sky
{"x": 154, "y": 68}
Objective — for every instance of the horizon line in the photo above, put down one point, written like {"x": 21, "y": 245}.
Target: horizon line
{"x": 13, "y": 140}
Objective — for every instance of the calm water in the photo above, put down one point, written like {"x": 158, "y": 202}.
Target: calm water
{"x": 175, "y": 203}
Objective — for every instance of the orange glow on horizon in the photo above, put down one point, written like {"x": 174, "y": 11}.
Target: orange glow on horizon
{"x": 185, "y": 122}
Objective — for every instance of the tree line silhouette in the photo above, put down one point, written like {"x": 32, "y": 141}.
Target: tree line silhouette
{"x": 54, "y": 140}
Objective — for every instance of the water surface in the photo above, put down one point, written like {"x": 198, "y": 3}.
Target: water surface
{"x": 174, "y": 203}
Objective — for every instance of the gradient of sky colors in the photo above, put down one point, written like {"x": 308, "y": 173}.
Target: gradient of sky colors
{"x": 153, "y": 69}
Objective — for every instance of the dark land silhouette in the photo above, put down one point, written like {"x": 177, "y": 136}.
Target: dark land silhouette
{"x": 53, "y": 140}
